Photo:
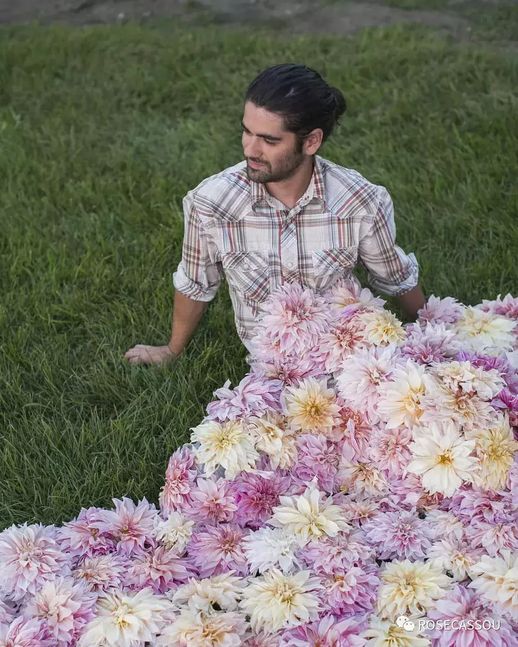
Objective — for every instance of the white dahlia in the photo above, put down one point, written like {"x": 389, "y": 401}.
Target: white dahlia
{"x": 410, "y": 588}
{"x": 226, "y": 445}
{"x": 275, "y": 601}
{"x": 442, "y": 458}
{"x": 311, "y": 406}
{"x": 496, "y": 579}
{"x": 485, "y": 332}
{"x": 400, "y": 401}
{"x": 307, "y": 518}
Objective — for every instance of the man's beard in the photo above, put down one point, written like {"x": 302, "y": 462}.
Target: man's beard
{"x": 286, "y": 168}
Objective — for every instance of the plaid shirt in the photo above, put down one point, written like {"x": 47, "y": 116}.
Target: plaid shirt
{"x": 236, "y": 229}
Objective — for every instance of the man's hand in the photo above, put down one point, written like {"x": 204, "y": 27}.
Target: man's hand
{"x": 141, "y": 354}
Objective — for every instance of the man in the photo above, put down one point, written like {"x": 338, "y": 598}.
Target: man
{"x": 284, "y": 214}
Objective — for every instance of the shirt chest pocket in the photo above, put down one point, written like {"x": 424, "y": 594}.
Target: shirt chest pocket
{"x": 329, "y": 265}
{"x": 248, "y": 273}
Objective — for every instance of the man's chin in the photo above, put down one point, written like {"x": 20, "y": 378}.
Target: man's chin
{"x": 256, "y": 175}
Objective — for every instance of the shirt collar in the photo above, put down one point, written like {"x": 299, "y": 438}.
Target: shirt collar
{"x": 315, "y": 190}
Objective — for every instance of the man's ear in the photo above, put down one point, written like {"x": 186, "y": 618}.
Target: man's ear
{"x": 313, "y": 141}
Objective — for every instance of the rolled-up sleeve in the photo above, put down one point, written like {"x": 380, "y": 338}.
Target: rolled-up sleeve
{"x": 391, "y": 270}
{"x": 198, "y": 274}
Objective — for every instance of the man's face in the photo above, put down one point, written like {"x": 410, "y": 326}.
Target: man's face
{"x": 272, "y": 153}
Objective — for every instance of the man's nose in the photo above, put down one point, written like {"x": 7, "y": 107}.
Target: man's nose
{"x": 252, "y": 148}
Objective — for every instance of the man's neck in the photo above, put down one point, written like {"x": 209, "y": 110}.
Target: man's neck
{"x": 291, "y": 190}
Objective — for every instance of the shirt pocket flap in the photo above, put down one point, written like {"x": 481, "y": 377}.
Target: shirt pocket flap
{"x": 329, "y": 265}
{"x": 248, "y": 273}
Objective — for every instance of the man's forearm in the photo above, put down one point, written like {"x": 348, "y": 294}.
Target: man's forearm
{"x": 411, "y": 302}
{"x": 187, "y": 314}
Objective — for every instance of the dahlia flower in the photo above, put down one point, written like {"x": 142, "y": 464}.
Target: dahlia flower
{"x": 485, "y": 332}
{"x": 218, "y": 549}
{"x": 496, "y": 580}
{"x": 454, "y": 556}
{"x": 410, "y": 588}
{"x": 471, "y": 622}
{"x": 317, "y": 457}
{"x": 311, "y": 406}
{"x": 434, "y": 343}
{"x": 126, "y": 619}
{"x": 398, "y": 535}
{"x": 227, "y": 445}
{"x": 65, "y": 607}
{"x": 384, "y": 633}
{"x": 101, "y": 572}
{"x": 130, "y": 525}
{"x": 158, "y": 569}
{"x": 326, "y": 632}
{"x": 83, "y": 535}
{"x": 350, "y": 591}
{"x": 401, "y": 398}
{"x": 361, "y": 375}
{"x": 442, "y": 457}
{"x": 436, "y": 310}
{"x": 25, "y": 633}
{"x": 29, "y": 557}
{"x": 179, "y": 479}
{"x": 276, "y": 601}
{"x": 495, "y": 448}
{"x": 212, "y": 501}
{"x": 381, "y": 328}
{"x": 307, "y": 517}
{"x": 271, "y": 547}
{"x": 256, "y": 495}
{"x": 174, "y": 533}
{"x": 200, "y": 629}
{"x": 223, "y": 591}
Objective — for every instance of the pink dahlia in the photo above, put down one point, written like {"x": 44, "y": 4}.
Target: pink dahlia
{"x": 507, "y": 307}
{"x": 361, "y": 377}
{"x": 437, "y": 310}
{"x": 317, "y": 457}
{"x": 432, "y": 344}
{"x": 493, "y": 537}
{"x": 65, "y": 606}
{"x": 29, "y": 557}
{"x": 399, "y": 535}
{"x": 337, "y": 553}
{"x": 102, "y": 572}
{"x": 179, "y": 480}
{"x": 295, "y": 318}
{"x": 218, "y": 549}
{"x": 329, "y": 631}
{"x": 290, "y": 370}
{"x": 254, "y": 396}
{"x": 83, "y": 535}
{"x": 159, "y": 569}
{"x": 25, "y": 633}
{"x": 486, "y": 506}
{"x": 474, "y": 622}
{"x": 212, "y": 501}
{"x": 256, "y": 495}
{"x": 130, "y": 525}
{"x": 344, "y": 337}
{"x": 350, "y": 591}
{"x": 389, "y": 449}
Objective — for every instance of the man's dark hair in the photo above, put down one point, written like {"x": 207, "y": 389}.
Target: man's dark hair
{"x": 300, "y": 95}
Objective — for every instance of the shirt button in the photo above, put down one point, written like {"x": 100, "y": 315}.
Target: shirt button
{"x": 289, "y": 264}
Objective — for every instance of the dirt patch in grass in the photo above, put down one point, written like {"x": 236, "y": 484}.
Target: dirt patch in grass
{"x": 315, "y": 16}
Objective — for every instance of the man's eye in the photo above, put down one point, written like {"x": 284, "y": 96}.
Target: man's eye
{"x": 269, "y": 141}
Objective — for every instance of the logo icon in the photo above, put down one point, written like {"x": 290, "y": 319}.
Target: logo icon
{"x": 405, "y": 623}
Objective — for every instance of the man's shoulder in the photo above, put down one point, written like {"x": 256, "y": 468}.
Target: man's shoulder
{"x": 222, "y": 193}
{"x": 347, "y": 190}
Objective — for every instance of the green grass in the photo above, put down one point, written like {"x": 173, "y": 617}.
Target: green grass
{"x": 103, "y": 130}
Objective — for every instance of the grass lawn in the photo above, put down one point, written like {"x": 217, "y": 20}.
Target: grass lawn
{"x": 102, "y": 132}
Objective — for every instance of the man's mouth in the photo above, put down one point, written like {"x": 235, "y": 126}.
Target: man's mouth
{"x": 255, "y": 165}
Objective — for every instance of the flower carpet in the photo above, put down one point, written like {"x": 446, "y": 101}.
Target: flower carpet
{"x": 358, "y": 487}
